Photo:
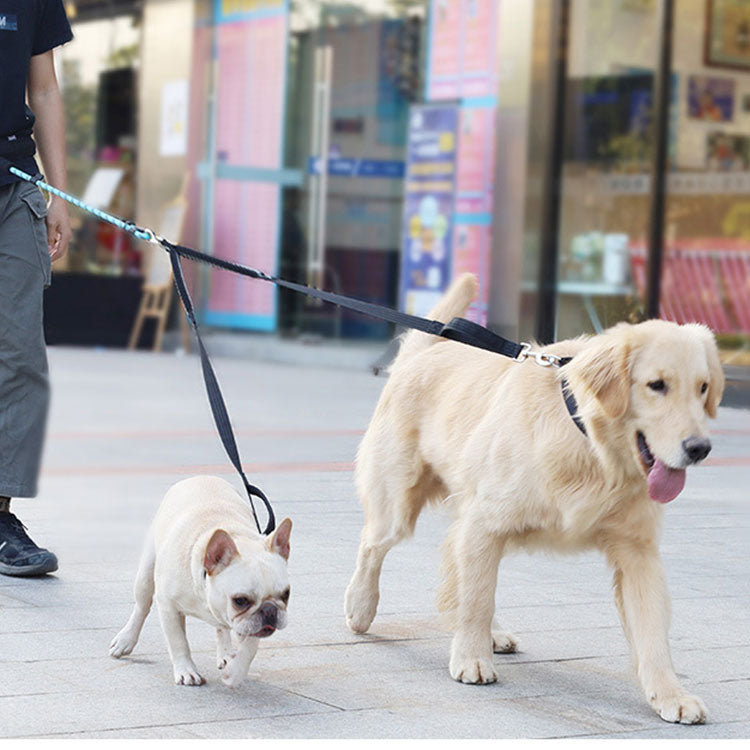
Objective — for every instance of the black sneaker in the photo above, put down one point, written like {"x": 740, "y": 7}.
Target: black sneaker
{"x": 19, "y": 556}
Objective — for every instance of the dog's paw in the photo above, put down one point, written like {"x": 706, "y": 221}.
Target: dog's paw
{"x": 360, "y": 608}
{"x": 187, "y": 674}
{"x": 473, "y": 670}
{"x": 504, "y": 643}
{"x": 223, "y": 659}
{"x": 122, "y": 644}
{"x": 234, "y": 672}
{"x": 679, "y": 707}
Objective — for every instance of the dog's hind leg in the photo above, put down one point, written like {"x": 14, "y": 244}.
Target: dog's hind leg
{"x": 363, "y": 592}
{"x": 503, "y": 642}
{"x": 390, "y": 517}
{"x": 124, "y": 642}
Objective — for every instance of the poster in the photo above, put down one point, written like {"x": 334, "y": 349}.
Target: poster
{"x": 475, "y": 167}
{"x": 174, "y": 118}
{"x": 428, "y": 206}
{"x": 711, "y": 99}
{"x": 462, "y": 54}
{"x": 727, "y": 27}
{"x": 727, "y": 152}
{"x": 251, "y": 46}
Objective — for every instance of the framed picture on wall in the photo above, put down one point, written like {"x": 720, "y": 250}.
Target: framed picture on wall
{"x": 727, "y": 152}
{"x": 710, "y": 98}
{"x": 727, "y": 38}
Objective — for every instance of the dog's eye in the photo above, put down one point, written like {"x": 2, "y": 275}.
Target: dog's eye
{"x": 242, "y": 602}
{"x": 704, "y": 387}
{"x": 285, "y": 596}
{"x": 658, "y": 385}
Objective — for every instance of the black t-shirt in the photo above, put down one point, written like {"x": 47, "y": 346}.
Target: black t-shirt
{"x": 27, "y": 28}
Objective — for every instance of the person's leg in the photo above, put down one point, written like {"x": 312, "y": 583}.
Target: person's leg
{"x": 24, "y": 389}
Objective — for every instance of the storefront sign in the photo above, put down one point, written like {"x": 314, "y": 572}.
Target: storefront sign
{"x": 428, "y": 206}
{"x": 251, "y": 47}
{"x": 462, "y": 54}
{"x": 347, "y": 167}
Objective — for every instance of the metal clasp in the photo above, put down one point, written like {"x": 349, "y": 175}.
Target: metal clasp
{"x": 541, "y": 358}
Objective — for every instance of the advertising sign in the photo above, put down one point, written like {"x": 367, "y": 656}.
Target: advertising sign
{"x": 462, "y": 49}
{"x": 428, "y": 206}
{"x": 242, "y": 177}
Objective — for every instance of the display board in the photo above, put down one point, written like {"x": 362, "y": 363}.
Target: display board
{"x": 241, "y": 159}
{"x": 462, "y": 73}
{"x": 462, "y": 52}
{"x": 429, "y": 204}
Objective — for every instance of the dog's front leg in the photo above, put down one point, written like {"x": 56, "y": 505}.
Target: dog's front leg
{"x": 224, "y": 648}
{"x": 477, "y": 556}
{"x": 173, "y": 625}
{"x": 643, "y": 602}
{"x": 238, "y": 665}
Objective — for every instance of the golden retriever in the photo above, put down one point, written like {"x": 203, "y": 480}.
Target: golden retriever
{"x": 493, "y": 439}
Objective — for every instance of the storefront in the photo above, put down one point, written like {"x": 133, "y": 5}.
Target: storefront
{"x": 97, "y": 285}
{"x": 380, "y": 147}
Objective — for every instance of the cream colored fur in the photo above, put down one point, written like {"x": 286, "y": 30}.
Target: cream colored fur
{"x": 204, "y": 558}
{"x": 495, "y": 439}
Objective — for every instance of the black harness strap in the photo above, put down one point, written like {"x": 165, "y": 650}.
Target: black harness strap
{"x": 570, "y": 400}
{"x": 572, "y": 406}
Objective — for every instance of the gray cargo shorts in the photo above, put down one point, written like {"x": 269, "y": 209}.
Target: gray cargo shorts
{"x": 24, "y": 389}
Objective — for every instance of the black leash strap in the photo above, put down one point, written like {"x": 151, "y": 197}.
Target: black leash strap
{"x": 216, "y": 400}
{"x": 459, "y": 329}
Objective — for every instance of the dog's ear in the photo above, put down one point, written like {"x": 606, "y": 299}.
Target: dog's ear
{"x": 278, "y": 542}
{"x": 220, "y": 551}
{"x": 603, "y": 368}
{"x": 715, "y": 371}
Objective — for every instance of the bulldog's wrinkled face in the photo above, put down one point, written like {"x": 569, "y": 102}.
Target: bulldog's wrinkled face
{"x": 247, "y": 583}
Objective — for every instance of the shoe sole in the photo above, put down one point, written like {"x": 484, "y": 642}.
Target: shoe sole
{"x": 28, "y": 571}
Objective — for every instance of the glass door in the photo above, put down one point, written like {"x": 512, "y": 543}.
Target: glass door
{"x": 354, "y": 71}
{"x": 604, "y": 212}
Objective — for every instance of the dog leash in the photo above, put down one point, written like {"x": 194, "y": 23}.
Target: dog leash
{"x": 458, "y": 329}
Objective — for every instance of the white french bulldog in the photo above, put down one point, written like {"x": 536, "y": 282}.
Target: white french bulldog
{"x": 204, "y": 558}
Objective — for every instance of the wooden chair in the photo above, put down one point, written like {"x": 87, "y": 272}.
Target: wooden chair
{"x": 156, "y": 295}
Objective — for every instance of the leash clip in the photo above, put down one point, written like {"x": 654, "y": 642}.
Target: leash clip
{"x": 541, "y": 358}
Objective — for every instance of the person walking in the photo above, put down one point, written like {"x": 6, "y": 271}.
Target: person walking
{"x": 32, "y": 235}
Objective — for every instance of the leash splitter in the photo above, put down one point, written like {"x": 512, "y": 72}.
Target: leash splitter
{"x": 459, "y": 329}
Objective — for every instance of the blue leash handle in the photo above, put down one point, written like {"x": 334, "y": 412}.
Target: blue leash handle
{"x": 128, "y": 226}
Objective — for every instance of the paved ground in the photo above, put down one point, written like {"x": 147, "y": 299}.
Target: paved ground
{"x": 125, "y": 426}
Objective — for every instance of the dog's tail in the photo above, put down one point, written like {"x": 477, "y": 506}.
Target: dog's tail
{"x": 453, "y": 304}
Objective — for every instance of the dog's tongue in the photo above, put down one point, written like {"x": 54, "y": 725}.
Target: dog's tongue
{"x": 664, "y": 484}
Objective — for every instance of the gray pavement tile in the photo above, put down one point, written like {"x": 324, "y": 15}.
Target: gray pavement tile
{"x": 166, "y": 732}
{"x": 403, "y": 722}
{"x": 146, "y": 705}
{"x": 729, "y": 731}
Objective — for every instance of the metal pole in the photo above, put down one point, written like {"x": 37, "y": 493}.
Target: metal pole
{"x": 659, "y": 163}
{"x": 546, "y": 309}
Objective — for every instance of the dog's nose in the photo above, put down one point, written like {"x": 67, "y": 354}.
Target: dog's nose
{"x": 696, "y": 448}
{"x": 269, "y": 614}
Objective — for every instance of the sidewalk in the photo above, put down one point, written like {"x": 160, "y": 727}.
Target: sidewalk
{"x": 124, "y": 426}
